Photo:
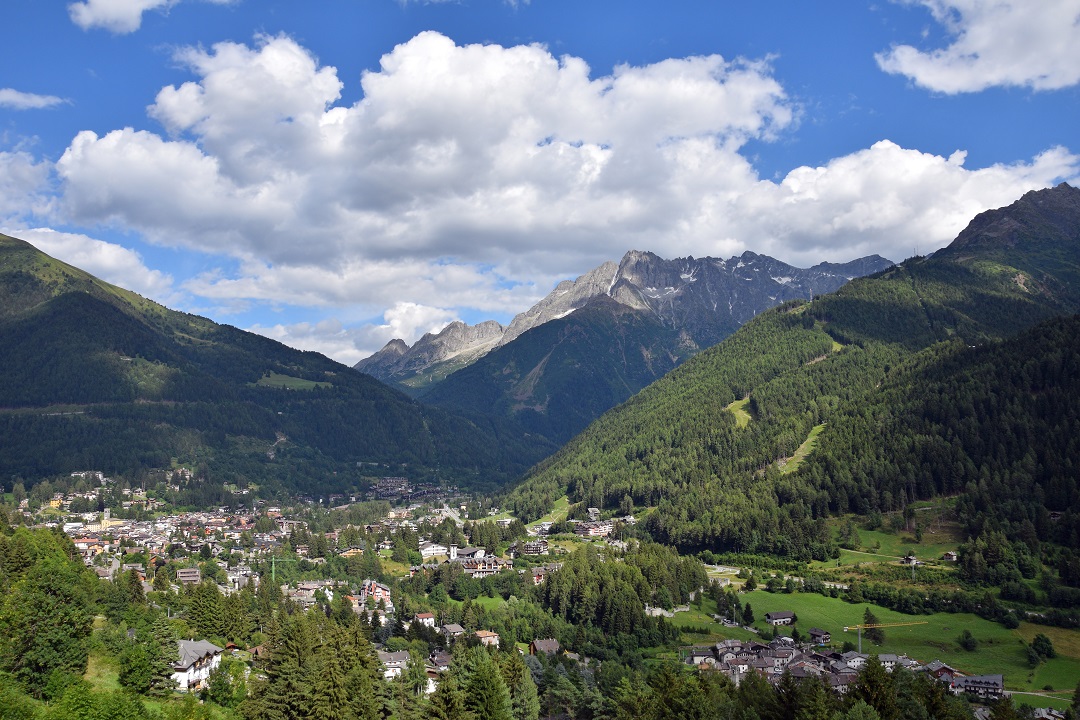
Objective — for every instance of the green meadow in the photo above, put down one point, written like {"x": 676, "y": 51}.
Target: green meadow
{"x": 1000, "y": 650}
{"x": 290, "y": 383}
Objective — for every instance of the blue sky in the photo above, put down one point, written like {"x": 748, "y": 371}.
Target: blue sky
{"x": 337, "y": 173}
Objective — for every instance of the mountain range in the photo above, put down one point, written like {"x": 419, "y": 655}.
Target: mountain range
{"x": 595, "y": 341}
{"x": 951, "y": 375}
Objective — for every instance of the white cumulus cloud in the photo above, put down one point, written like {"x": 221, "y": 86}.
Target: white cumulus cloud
{"x": 995, "y": 43}
{"x": 24, "y": 186}
{"x": 475, "y": 176}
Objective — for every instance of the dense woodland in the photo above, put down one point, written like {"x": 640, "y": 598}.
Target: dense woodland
{"x": 919, "y": 387}
{"x": 97, "y": 377}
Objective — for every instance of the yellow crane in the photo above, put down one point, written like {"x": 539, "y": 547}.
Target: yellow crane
{"x": 867, "y": 626}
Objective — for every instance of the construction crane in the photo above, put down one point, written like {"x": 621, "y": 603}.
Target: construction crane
{"x": 868, "y": 626}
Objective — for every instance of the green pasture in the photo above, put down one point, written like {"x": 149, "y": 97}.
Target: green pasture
{"x": 932, "y": 547}
{"x": 289, "y": 383}
{"x": 1000, "y": 650}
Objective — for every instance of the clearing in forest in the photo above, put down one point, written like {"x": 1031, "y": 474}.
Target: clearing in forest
{"x": 791, "y": 464}
{"x": 738, "y": 409}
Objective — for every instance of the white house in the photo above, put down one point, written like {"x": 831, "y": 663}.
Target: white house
{"x": 393, "y": 663}
{"x": 431, "y": 549}
{"x": 197, "y": 659}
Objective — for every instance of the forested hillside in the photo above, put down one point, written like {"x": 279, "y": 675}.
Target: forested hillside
{"x": 98, "y": 377}
{"x": 884, "y": 370}
{"x": 558, "y": 377}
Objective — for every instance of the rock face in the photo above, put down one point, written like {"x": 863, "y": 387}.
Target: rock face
{"x": 703, "y": 300}
{"x": 1041, "y": 219}
{"x": 568, "y": 296}
{"x": 708, "y": 298}
{"x": 434, "y": 356}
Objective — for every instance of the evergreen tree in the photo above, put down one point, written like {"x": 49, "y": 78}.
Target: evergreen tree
{"x": 415, "y": 675}
{"x": 163, "y": 654}
{"x": 45, "y": 623}
{"x": 135, "y": 673}
{"x": 875, "y": 686}
{"x": 448, "y": 702}
{"x": 875, "y": 635}
{"x": 487, "y": 696}
{"x": 523, "y": 695}
{"x": 206, "y": 609}
{"x": 860, "y": 711}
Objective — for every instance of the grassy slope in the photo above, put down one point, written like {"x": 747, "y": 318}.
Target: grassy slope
{"x": 792, "y": 464}
{"x": 738, "y": 409}
{"x": 1000, "y": 650}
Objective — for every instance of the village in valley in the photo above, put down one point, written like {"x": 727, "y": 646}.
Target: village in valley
{"x": 418, "y": 532}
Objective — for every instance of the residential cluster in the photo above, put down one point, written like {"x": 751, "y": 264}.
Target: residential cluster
{"x": 737, "y": 659}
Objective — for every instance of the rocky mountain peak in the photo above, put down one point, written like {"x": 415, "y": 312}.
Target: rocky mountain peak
{"x": 703, "y": 299}
{"x": 1047, "y": 214}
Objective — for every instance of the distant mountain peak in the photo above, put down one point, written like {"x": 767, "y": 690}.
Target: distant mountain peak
{"x": 702, "y": 299}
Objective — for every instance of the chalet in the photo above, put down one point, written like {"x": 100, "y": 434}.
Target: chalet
{"x": 534, "y": 547}
{"x": 548, "y": 646}
{"x": 780, "y": 617}
{"x": 426, "y": 568}
{"x": 484, "y": 566}
{"x": 950, "y": 556}
{"x": 425, "y": 619}
{"x": 197, "y": 659}
{"x": 453, "y": 631}
{"x": 440, "y": 660}
{"x": 854, "y": 660}
{"x": 393, "y": 663}
{"x": 938, "y": 669}
{"x": 430, "y": 549}
{"x": 352, "y": 552}
{"x": 982, "y": 686}
{"x": 701, "y": 656}
{"x": 819, "y": 636}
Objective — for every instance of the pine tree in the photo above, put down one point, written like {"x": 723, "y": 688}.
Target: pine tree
{"x": 486, "y": 693}
{"x": 875, "y": 686}
{"x": 45, "y": 623}
{"x": 163, "y": 654}
{"x": 329, "y": 683}
{"x": 448, "y": 701}
{"x": 874, "y": 635}
{"x": 523, "y": 695}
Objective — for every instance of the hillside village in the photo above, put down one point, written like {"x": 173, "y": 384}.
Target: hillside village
{"x": 234, "y": 549}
